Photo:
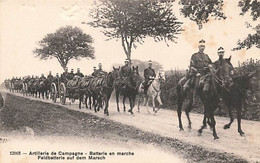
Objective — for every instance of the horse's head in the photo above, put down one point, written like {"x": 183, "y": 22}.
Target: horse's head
{"x": 160, "y": 75}
{"x": 115, "y": 73}
{"x": 135, "y": 70}
{"x": 136, "y": 78}
{"x": 225, "y": 70}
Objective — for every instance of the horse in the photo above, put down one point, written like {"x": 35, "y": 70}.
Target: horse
{"x": 153, "y": 92}
{"x": 43, "y": 87}
{"x": 222, "y": 87}
{"x": 129, "y": 90}
{"x": 101, "y": 89}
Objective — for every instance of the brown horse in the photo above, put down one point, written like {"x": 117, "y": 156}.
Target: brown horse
{"x": 222, "y": 87}
{"x": 128, "y": 90}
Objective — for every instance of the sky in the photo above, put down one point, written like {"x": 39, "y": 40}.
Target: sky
{"x": 25, "y": 22}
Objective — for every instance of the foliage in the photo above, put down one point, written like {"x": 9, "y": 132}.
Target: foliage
{"x": 201, "y": 10}
{"x": 252, "y": 5}
{"x": 65, "y": 44}
{"x": 133, "y": 20}
{"x": 248, "y": 42}
{"x": 251, "y": 40}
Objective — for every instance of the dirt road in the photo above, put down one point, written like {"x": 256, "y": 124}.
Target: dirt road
{"x": 165, "y": 123}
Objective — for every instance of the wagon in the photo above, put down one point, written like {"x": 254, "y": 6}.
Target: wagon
{"x": 59, "y": 89}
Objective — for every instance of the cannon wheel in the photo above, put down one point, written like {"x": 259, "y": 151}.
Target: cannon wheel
{"x": 62, "y": 93}
{"x": 53, "y": 92}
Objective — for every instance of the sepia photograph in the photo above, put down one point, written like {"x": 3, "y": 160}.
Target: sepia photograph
{"x": 133, "y": 81}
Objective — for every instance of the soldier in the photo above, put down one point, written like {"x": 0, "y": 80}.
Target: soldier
{"x": 71, "y": 74}
{"x": 198, "y": 67}
{"x": 94, "y": 71}
{"x": 149, "y": 74}
{"x": 50, "y": 77}
{"x": 79, "y": 73}
{"x": 65, "y": 75}
{"x": 42, "y": 77}
{"x": 100, "y": 71}
{"x": 125, "y": 70}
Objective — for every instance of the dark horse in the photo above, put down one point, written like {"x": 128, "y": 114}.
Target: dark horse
{"x": 43, "y": 88}
{"x": 222, "y": 87}
{"x": 130, "y": 89}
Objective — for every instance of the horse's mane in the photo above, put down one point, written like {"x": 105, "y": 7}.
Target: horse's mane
{"x": 226, "y": 60}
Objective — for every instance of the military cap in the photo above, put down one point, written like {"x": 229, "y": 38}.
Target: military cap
{"x": 150, "y": 61}
{"x": 221, "y": 50}
{"x": 202, "y": 42}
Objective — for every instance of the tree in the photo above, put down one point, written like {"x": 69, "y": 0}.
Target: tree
{"x": 65, "y": 44}
{"x": 133, "y": 20}
{"x": 201, "y": 10}
{"x": 251, "y": 39}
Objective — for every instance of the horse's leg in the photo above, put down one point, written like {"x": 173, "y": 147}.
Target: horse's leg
{"x": 147, "y": 103}
{"x": 180, "y": 103}
{"x": 213, "y": 122}
{"x": 160, "y": 103}
{"x": 231, "y": 118}
{"x": 153, "y": 102}
{"x": 117, "y": 100}
{"x": 204, "y": 122}
{"x": 239, "y": 109}
{"x": 131, "y": 105}
{"x": 139, "y": 102}
{"x": 80, "y": 99}
{"x": 187, "y": 111}
{"x": 124, "y": 102}
{"x": 106, "y": 105}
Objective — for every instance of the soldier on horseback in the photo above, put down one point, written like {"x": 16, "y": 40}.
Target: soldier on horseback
{"x": 79, "y": 73}
{"x": 149, "y": 74}
{"x": 199, "y": 64}
{"x": 125, "y": 72}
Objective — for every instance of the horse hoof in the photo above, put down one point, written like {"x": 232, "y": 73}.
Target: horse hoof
{"x": 242, "y": 133}
{"x": 130, "y": 111}
{"x": 226, "y": 127}
{"x": 181, "y": 129}
{"x": 216, "y": 137}
{"x": 189, "y": 127}
{"x": 200, "y": 131}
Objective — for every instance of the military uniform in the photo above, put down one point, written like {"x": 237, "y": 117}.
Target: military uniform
{"x": 79, "y": 74}
{"x": 100, "y": 72}
{"x": 42, "y": 78}
{"x": 50, "y": 77}
{"x": 64, "y": 76}
{"x": 149, "y": 73}
{"x": 125, "y": 71}
{"x": 200, "y": 61}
